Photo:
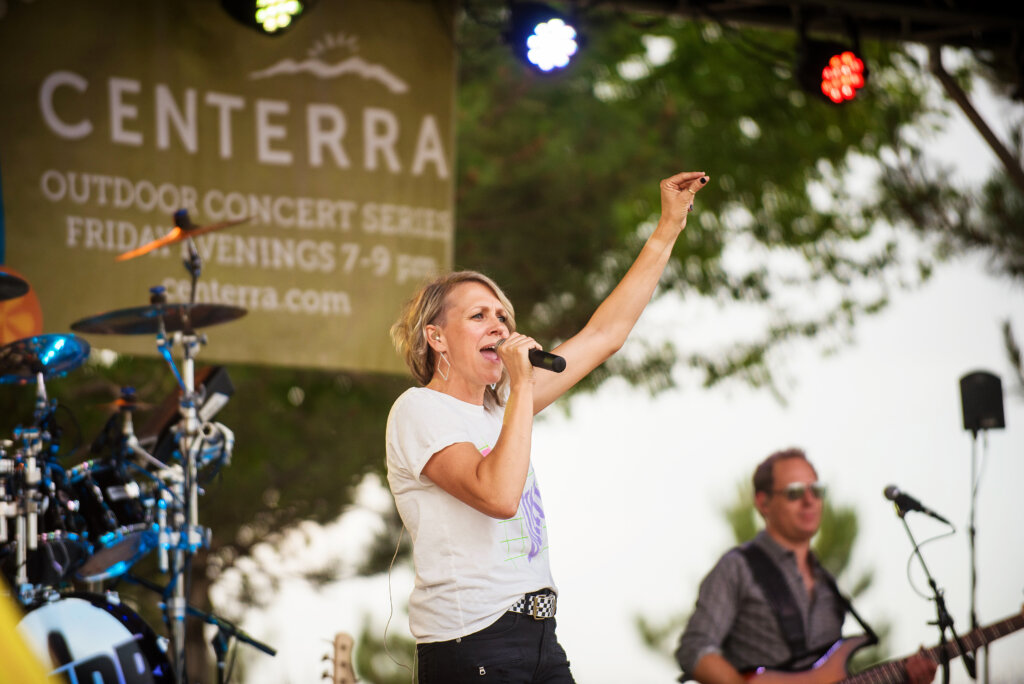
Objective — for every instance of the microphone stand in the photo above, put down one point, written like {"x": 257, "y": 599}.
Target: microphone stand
{"x": 943, "y": 618}
{"x": 225, "y": 629}
{"x": 971, "y": 532}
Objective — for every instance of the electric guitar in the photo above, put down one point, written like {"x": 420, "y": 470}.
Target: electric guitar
{"x": 831, "y": 668}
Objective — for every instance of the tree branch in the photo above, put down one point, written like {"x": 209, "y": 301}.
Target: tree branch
{"x": 1010, "y": 162}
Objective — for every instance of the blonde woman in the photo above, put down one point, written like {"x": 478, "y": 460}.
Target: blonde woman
{"x": 458, "y": 457}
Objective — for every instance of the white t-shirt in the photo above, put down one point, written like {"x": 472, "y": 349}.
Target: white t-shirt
{"x": 470, "y": 567}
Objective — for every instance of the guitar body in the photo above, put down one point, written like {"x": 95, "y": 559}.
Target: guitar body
{"x": 829, "y": 669}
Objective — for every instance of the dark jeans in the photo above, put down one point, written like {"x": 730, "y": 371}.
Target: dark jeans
{"x": 516, "y": 649}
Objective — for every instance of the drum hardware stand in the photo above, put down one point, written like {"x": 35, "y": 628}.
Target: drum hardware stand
{"x": 23, "y": 494}
{"x": 225, "y": 629}
{"x": 187, "y": 536}
{"x": 191, "y": 438}
{"x": 40, "y": 444}
{"x": 11, "y": 507}
{"x": 7, "y": 508}
{"x": 27, "y": 508}
{"x": 129, "y": 440}
{"x": 30, "y": 481}
{"x": 943, "y": 619}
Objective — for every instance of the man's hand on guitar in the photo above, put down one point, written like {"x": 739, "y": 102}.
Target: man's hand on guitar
{"x": 920, "y": 668}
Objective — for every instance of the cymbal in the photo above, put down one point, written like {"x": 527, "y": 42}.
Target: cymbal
{"x": 11, "y": 286}
{"x": 51, "y": 355}
{"x": 127, "y": 401}
{"x": 183, "y": 229}
{"x": 145, "y": 320}
{"x": 121, "y": 404}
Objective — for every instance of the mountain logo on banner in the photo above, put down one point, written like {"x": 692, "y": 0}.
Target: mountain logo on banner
{"x": 350, "y": 66}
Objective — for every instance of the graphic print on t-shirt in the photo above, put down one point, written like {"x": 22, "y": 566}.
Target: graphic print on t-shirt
{"x": 533, "y": 511}
{"x": 524, "y": 534}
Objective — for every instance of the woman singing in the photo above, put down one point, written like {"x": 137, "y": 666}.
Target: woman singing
{"x": 458, "y": 457}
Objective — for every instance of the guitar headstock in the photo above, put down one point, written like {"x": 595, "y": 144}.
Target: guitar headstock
{"x": 342, "y": 672}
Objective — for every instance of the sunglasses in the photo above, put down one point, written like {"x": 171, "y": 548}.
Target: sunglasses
{"x": 795, "y": 491}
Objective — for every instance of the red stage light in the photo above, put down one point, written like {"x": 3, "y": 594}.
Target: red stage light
{"x": 843, "y": 77}
{"x": 830, "y": 70}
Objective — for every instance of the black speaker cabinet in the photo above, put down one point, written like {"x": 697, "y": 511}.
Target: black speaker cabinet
{"x": 981, "y": 394}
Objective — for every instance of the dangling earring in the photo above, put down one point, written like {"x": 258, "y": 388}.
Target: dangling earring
{"x": 444, "y": 373}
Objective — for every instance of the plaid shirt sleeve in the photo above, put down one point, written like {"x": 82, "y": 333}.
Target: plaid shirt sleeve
{"x": 718, "y": 602}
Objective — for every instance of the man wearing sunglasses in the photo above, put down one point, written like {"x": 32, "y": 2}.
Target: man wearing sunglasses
{"x": 768, "y": 603}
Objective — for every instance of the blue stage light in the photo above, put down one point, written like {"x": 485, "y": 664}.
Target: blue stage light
{"x": 542, "y": 37}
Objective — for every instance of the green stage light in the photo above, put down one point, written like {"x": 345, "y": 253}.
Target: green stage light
{"x": 276, "y": 14}
{"x": 271, "y": 17}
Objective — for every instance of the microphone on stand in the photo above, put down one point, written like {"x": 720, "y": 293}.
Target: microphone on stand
{"x": 542, "y": 359}
{"x": 905, "y": 502}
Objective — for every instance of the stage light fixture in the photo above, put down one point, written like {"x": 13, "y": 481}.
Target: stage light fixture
{"x": 276, "y": 14}
{"x": 830, "y": 69}
{"x": 542, "y": 37}
{"x": 271, "y": 17}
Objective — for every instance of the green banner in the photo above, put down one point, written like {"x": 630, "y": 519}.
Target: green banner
{"x": 334, "y": 142}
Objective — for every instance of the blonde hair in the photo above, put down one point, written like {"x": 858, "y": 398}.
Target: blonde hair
{"x": 428, "y": 306}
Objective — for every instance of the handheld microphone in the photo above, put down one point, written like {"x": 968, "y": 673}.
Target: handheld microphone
{"x": 905, "y": 502}
{"x": 546, "y": 360}
{"x": 542, "y": 359}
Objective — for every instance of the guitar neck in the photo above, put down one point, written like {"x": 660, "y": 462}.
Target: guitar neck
{"x": 895, "y": 672}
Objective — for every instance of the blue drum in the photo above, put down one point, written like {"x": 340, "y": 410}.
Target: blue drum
{"x": 118, "y": 515}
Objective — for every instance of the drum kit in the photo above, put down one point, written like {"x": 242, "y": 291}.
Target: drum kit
{"x": 92, "y": 522}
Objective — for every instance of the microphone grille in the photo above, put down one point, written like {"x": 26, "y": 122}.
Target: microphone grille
{"x": 891, "y": 492}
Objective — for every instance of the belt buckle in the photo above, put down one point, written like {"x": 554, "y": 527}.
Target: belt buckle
{"x": 536, "y": 606}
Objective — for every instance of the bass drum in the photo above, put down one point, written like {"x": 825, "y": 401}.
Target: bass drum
{"x": 94, "y": 639}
